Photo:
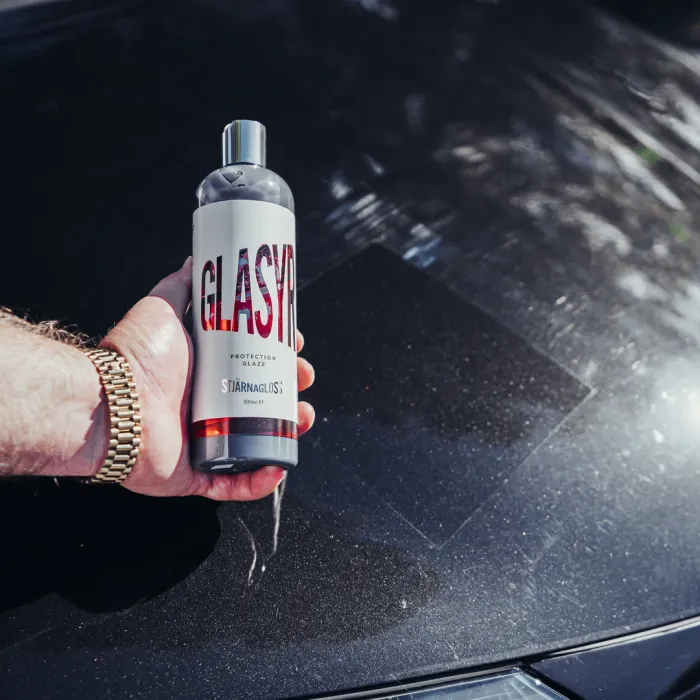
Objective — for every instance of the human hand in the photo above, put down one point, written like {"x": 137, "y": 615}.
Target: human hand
{"x": 155, "y": 343}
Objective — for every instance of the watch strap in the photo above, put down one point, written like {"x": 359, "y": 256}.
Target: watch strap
{"x": 124, "y": 415}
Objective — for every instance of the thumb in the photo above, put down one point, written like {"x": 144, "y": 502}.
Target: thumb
{"x": 176, "y": 289}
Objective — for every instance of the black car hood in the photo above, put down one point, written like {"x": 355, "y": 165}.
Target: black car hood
{"x": 497, "y": 216}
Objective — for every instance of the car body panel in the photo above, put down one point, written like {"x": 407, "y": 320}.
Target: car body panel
{"x": 497, "y": 187}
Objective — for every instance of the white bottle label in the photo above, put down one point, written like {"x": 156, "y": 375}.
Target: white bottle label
{"x": 244, "y": 314}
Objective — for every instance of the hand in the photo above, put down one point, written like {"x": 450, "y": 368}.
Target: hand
{"x": 155, "y": 343}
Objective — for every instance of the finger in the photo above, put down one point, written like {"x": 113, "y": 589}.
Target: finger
{"x": 176, "y": 288}
{"x": 305, "y": 374}
{"x": 307, "y": 416}
{"x": 249, "y": 486}
{"x": 300, "y": 341}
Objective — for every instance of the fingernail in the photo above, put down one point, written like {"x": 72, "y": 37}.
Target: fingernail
{"x": 187, "y": 263}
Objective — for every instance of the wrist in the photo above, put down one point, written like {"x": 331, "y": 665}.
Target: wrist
{"x": 88, "y": 454}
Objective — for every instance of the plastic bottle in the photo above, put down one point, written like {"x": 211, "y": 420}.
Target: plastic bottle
{"x": 244, "y": 403}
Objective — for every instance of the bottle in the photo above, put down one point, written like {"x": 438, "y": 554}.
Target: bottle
{"x": 244, "y": 403}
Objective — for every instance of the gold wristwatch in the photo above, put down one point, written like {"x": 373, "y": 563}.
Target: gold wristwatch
{"x": 124, "y": 415}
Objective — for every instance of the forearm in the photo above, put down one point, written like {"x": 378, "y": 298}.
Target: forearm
{"x": 53, "y": 415}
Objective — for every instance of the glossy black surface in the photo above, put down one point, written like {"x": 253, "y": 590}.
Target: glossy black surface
{"x": 660, "y": 666}
{"x": 539, "y": 163}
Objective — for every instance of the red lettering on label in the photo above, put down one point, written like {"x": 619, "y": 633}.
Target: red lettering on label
{"x": 280, "y": 272}
{"x": 245, "y": 305}
{"x": 222, "y": 324}
{"x": 211, "y": 309}
{"x": 210, "y": 299}
{"x": 291, "y": 284}
{"x": 263, "y": 328}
